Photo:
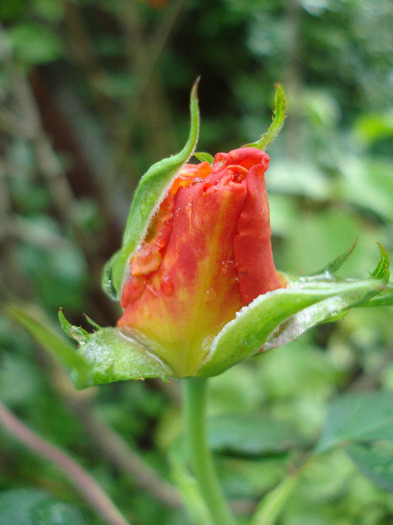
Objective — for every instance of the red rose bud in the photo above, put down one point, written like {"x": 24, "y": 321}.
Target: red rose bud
{"x": 195, "y": 270}
{"x": 207, "y": 254}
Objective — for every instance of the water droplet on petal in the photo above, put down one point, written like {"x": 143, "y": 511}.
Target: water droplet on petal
{"x": 211, "y": 294}
{"x": 197, "y": 180}
{"x": 167, "y": 283}
{"x": 227, "y": 266}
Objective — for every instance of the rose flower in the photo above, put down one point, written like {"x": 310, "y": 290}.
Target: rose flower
{"x": 207, "y": 253}
{"x": 195, "y": 274}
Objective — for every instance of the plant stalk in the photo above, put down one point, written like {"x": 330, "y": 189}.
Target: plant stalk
{"x": 201, "y": 460}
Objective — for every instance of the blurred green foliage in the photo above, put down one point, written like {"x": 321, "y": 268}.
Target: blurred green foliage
{"x": 91, "y": 94}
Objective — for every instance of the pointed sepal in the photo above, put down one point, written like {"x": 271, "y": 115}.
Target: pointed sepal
{"x": 114, "y": 355}
{"x": 204, "y": 157}
{"x": 282, "y": 315}
{"x": 147, "y": 198}
{"x": 382, "y": 269}
{"x": 333, "y": 266}
{"x": 118, "y": 356}
{"x": 279, "y": 116}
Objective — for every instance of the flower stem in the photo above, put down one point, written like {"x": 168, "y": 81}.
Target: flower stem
{"x": 194, "y": 399}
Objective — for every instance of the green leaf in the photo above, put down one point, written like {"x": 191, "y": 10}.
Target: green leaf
{"x": 56, "y": 513}
{"x": 270, "y": 507}
{"x": 33, "y": 507}
{"x": 187, "y": 484}
{"x": 278, "y": 121}
{"x": 204, "y": 157}
{"x": 42, "y": 330}
{"x": 250, "y": 435}
{"x": 382, "y": 269}
{"x": 150, "y": 192}
{"x": 373, "y": 127}
{"x": 35, "y": 44}
{"x": 16, "y": 505}
{"x": 375, "y": 461}
{"x": 245, "y": 335}
{"x": 114, "y": 355}
{"x": 358, "y": 417}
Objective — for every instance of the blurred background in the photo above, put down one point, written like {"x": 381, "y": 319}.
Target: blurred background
{"x": 91, "y": 94}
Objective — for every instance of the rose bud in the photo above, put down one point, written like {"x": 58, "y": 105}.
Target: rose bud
{"x": 207, "y": 254}
{"x": 195, "y": 273}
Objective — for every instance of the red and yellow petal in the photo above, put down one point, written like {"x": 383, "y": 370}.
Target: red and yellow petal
{"x": 207, "y": 253}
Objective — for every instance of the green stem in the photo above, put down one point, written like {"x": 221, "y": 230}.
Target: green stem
{"x": 194, "y": 390}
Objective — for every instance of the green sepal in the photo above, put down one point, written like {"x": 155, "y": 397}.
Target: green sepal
{"x": 204, "y": 157}
{"x": 148, "y": 196}
{"x": 114, "y": 355}
{"x": 277, "y": 123}
{"x": 75, "y": 332}
{"x": 385, "y": 298}
{"x": 119, "y": 356}
{"x": 382, "y": 269}
{"x": 374, "y": 460}
{"x": 282, "y": 315}
{"x": 333, "y": 266}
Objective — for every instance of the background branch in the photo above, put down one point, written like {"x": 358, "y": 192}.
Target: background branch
{"x": 82, "y": 481}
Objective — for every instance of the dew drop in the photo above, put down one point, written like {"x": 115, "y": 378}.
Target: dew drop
{"x": 227, "y": 266}
{"x": 197, "y": 180}
{"x": 167, "y": 283}
{"x": 211, "y": 294}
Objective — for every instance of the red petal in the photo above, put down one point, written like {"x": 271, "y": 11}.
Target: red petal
{"x": 252, "y": 245}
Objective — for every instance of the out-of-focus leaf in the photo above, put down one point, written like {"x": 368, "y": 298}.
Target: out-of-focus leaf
{"x": 268, "y": 510}
{"x": 250, "y": 435}
{"x": 49, "y": 10}
{"x": 54, "y": 264}
{"x": 16, "y": 505}
{"x": 298, "y": 178}
{"x": 375, "y": 461}
{"x": 371, "y": 128}
{"x": 41, "y": 329}
{"x": 33, "y": 507}
{"x": 188, "y": 485}
{"x": 56, "y": 513}
{"x": 12, "y": 390}
{"x": 35, "y": 44}
{"x": 358, "y": 417}
{"x": 368, "y": 183}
